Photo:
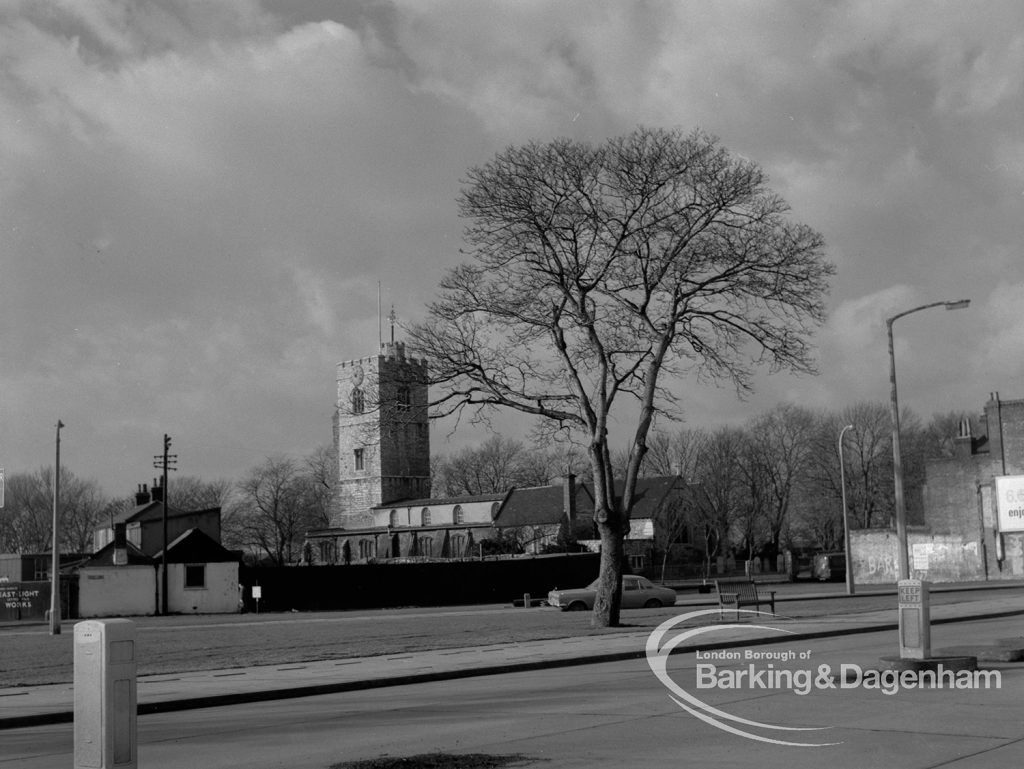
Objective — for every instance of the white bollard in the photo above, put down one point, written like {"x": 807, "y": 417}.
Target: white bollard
{"x": 914, "y": 620}
{"x": 105, "y": 695}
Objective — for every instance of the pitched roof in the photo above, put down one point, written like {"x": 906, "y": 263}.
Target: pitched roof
{"x": 196, "y": 546}
{"x": 542, "y": 505}
{"x": 151, "y": 511}
{"x": 105, "y": 556}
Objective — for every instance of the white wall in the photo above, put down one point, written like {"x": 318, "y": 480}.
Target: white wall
{"x": 116, "y": 591}
{"x": 440, "y": 515}
{"x": 220, "y": 596}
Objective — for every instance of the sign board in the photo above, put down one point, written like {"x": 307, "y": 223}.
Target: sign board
{"x": 257, "y": 592}
{"x": 1010, "y": 502}
{"x": 921, "y": 553}
{"x": 24, "y": 600}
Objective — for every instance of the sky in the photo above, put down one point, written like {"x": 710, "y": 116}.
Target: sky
{"x": 197, "y": 200}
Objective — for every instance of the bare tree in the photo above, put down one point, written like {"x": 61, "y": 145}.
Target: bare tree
{"x": 274, "y": 510}
{"x": 321, "y": 471}
{"x": 721, "y": 477}
{"x": 595, "y": 271}
{"x": 676, "y": 453}
{"x": 191, "y": 493}
{"x": 780, "y": 449}
{"x": 26, "y": 522}
{"x": 492, "y": 467}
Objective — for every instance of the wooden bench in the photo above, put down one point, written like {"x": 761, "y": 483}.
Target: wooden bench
{"x": 738, "y": 593}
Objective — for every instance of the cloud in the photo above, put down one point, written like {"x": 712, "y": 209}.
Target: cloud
{"x": 198, "y": 199}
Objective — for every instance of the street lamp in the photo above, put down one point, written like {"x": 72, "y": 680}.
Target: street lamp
{"x": 846, "y": 520}
{"x": 55, "y": 554}
{"x": 897, "y": 466}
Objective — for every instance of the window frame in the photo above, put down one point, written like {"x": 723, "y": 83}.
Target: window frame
{"x": 190, "y": 568}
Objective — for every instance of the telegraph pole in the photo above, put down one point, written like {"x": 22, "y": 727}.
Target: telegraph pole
{"x": 55, "y": 563}
{"x": 164, "y": 462}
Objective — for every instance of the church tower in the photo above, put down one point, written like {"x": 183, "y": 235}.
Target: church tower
{"x": 381, "y": 434}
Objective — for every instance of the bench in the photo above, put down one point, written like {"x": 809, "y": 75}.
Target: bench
{"x": 738, "y": 593}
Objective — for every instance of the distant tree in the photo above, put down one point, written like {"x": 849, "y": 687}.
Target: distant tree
{"x": 676, "y": 453}
{"x": 599, "y": 270}
{"x": 779, "y": 454}
{"x": 494, "y": 466}
{"x": 275, "y": 507}
{"x": 191, "y": 493}
{"x": 320, "y": 470}
{"x": 940, "y": 434}
{"x": 721, "y": 476}
{"x": 26, "y": 522}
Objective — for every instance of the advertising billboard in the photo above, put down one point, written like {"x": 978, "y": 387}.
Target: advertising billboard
{"x": 1010, "y": 502}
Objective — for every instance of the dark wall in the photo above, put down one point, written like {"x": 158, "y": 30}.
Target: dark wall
{"x": 443, "y": 583}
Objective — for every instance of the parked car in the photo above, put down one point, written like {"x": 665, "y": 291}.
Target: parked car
{"x": 637, "y": 593}
{"x": 829, "y": 566}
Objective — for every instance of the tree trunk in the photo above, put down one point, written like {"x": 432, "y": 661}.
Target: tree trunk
{"x": 606, "y": 612}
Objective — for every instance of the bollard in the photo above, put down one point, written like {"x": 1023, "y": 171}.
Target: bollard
{"x": 526, "y": 600}
{"x": 105, "y": 695}
{"x": 914, "y": 619}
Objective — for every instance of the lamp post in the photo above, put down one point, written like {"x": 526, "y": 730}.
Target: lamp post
{"x": 846, "y": 520}
{"x": 55, "y": 554}
{"x": 897, "y": 466}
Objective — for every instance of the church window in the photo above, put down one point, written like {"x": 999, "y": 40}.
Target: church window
{"x": 358, "y": 457}
{"x": 403, "y": 397}
{"x": 458, "y": 546}
{"x": 366, "y": 549}
{"x": 495, "y": 506}
{"x": 358, "y": 401}
{"x": 458, "y": 516}
{"x": 328, "y": 552}
{"x": 425, "y": 517}
{"x": 393, "y": 519}
{"x": 427, "y": 547}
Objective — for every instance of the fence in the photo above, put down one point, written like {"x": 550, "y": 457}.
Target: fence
{"x": 444, "y": 583}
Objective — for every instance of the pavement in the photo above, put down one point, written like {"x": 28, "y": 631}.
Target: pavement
{"x": 51, "y": 704}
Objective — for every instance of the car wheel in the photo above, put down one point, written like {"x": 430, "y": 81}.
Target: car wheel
{"x": 653, "y": 603}
{"x": 577, "y": 606}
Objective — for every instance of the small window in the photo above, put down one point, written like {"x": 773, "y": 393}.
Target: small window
{"x": 358, "y": 401}
{"x": 495, "y": 507}
{"x": 195, "y": 575}
{"x": 425, "y": 517}
{"x": 358, "y": 457}
{"x": 393, "y": 518}
{"x": 636, "y": 562}
{"x": 458, "y": 546}
{"x": 366, "y": 549}
{"x": 403, "y": 397}
{"x": 427, "y": 547}
{"x": 458, "y": 516}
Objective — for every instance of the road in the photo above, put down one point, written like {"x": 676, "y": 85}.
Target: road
{"x": 179, "y": 643}
{"x": 607, "y": 715}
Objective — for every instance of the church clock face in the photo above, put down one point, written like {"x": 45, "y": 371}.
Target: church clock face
{"x": 357, "y": 376}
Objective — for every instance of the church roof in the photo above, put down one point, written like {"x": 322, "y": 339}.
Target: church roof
{"x": 542, "y": 505}
{"x": 442, "y": 501}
